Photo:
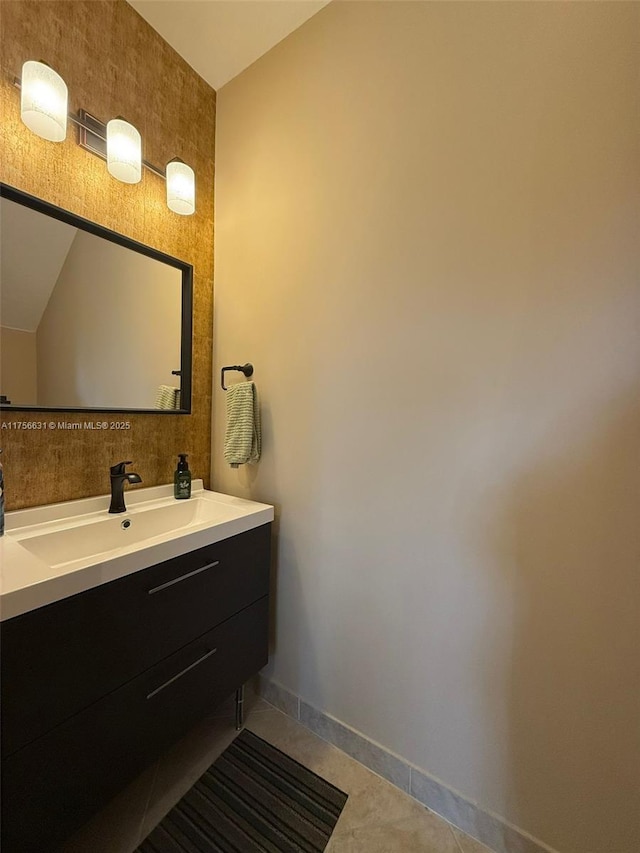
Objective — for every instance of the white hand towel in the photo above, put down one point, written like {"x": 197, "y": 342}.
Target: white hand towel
{"x": 167, "y": 397}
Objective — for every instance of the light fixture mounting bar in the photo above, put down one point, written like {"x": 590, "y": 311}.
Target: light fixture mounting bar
{"x": 92, "y": 136}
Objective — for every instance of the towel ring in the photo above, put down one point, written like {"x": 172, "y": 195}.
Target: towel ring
{"x": 247, "y": 369}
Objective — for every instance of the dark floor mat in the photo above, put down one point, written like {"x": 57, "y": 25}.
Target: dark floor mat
{"x": 253, "y": 799}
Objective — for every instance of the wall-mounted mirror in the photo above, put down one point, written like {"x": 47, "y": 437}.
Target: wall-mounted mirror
{"x": 89, "y": 320}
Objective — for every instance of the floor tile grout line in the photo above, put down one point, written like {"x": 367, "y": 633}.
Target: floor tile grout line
{"x": 393, "y": 823}
{"x": 140, "y": 838}
{"x": 146, "y": 805}
{"x": 455, "y": 837}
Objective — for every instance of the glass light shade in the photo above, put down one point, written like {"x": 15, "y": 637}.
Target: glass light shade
{"x": 124, "y": 151}
{"x": 181, "y": 188}
{"x": 43, "y": 101}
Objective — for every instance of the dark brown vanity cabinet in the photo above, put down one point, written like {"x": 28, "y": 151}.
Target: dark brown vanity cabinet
{"x": 96, "y": 686}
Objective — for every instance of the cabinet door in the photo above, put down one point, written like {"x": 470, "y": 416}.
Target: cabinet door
{"x": 60, "y": 658}
{"x": 52, "y": 786}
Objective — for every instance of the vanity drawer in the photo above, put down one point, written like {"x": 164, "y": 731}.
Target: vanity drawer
{"x": 83, "y": 647}
{"x": 52, "y": 786}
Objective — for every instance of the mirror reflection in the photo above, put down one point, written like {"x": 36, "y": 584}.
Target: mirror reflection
{"x": 86, "y": 323}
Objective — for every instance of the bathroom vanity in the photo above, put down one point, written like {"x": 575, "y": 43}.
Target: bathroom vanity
{"x": 97, "y": 683}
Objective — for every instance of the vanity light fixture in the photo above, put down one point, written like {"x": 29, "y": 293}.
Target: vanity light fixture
{"x": 44, "y": 96}
{"x": 44, "y": 110}
{"x": 181, "y": 187}
{"x": 124, "y": 151}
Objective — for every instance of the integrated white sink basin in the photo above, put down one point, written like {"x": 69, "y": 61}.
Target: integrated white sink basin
{"x": 51, "y": 552}
{"x": 95, "y": 534}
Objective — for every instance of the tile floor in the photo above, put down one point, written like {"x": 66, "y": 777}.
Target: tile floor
{"x": 377, "y": 818}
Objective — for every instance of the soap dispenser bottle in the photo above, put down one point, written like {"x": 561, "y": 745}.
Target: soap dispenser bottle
{"x": 182, "y": 479}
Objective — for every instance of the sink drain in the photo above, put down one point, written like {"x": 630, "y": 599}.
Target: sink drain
{"x": 126, "y": 524}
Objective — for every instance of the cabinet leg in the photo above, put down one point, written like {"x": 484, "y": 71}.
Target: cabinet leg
{"x": 239, "y": 707}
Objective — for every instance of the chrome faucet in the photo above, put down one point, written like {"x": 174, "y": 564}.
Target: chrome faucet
{"x": 118, "y": 478}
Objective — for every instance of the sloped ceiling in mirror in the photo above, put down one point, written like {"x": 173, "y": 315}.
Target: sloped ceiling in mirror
{"x": 34, "y": 249}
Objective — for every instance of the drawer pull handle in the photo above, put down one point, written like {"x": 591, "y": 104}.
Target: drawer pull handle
{"x": 183, "y": 577}
{"x": 181, "y": 673}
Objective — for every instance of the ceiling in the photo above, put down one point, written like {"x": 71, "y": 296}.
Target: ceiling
{"x": 220, "y": 38}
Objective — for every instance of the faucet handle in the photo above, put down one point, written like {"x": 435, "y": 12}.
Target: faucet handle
{"x": 119, "y": 468}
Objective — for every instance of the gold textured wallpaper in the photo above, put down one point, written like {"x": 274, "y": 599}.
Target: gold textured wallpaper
{"x": 113, "y": 63}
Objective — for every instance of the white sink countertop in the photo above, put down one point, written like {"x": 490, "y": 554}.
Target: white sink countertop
{"x": 51, "y": 552}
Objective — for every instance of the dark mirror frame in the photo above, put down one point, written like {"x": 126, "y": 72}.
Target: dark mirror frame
{"x": 187, "y": 301}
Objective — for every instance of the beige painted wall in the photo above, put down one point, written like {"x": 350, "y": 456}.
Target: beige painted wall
{"x": 18, "y": 371}
{"x": 427, "y": 243}
{"x": 110, "y": 334}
